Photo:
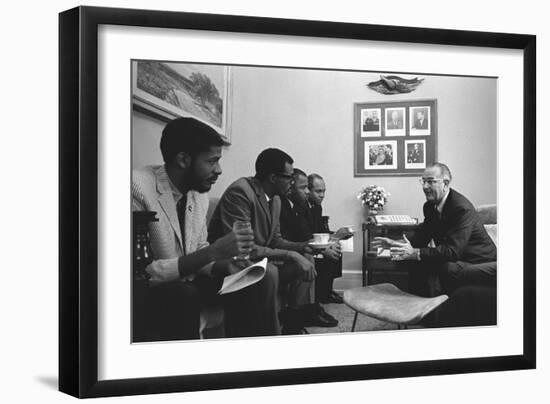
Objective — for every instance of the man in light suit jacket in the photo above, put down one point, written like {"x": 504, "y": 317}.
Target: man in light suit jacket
{"x": 186, "y": 271}
{"x": 462, "y": 252}
{"x": 257, "y": 199}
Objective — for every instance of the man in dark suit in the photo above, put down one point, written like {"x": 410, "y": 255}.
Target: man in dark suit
{"x": 415, "y": 156}
{"x": 295, "y": 218}
{"x": 257, "y": 200}
{"x": 420, "y": 121}
{"x": 297, "y": 225}
{"x": 372, "y": 123}
{"x": 396, "y": 121}
{"x": 452, "y": 245}
{"x": 330, "y": 266}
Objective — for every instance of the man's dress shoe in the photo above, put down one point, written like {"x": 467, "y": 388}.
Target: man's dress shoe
{"x": 333, "y": 297}
{"x": 316, "y": 316}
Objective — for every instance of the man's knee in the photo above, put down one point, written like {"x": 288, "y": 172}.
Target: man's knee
{"x": 460, "y": 273}
{"x": 451, "y": 269}
{"x": 272, "y": 272}
{"x": 270, "y": 281}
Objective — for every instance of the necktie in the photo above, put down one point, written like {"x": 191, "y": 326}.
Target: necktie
{"x": 180, "y": 208}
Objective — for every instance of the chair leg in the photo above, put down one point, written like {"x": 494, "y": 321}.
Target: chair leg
{"x": 354, "y": 321}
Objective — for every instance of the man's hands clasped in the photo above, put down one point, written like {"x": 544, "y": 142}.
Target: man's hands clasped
{"x": 334, "y": 252}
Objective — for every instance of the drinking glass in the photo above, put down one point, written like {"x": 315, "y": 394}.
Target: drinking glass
{"x": 239, "y": 226}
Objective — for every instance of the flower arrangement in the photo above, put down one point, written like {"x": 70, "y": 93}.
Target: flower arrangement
{"x": 373, "y": 197}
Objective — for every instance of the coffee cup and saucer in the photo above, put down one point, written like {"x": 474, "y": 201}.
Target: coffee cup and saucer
{"x": 320, "y": 241}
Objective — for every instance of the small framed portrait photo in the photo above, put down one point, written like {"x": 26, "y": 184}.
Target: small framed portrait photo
{"x": 370, "y": 122}
{"x": 381, "y": 155}
{"x": 395, "y": 121}
{"x": 415, "y": 154}
{"x": 419, "y": 121}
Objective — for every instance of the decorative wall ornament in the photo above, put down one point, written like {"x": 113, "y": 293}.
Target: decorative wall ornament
{"x": 394, "y": 85}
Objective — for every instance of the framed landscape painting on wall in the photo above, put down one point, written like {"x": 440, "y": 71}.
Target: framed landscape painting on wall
{"x": 172, "y": 89}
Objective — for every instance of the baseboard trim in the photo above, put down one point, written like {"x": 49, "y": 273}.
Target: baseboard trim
{"x": 351, "y": 278}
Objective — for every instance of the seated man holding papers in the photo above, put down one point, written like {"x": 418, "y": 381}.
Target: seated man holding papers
{"x": 186, "y": 271}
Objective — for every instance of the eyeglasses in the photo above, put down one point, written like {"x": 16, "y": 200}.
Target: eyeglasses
{"x": 429, "y": 181}
{"x": 286, "y": 176}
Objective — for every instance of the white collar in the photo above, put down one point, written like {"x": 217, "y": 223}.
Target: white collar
{"x": 441, "y": 204}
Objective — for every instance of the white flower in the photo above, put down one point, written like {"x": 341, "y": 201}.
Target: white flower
{"x": 373, "y": 196}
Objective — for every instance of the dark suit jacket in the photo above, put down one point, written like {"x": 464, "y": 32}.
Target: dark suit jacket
{"x": 316, "y": 221}
{"x": 395, "y": 125}
{"x": 295, "y": 222}
{"x": 420, "y": 125}
{"x": 330, "y": 267}
{"x": 414, "y": 157}
{"x": 245, "y": 199}
{"x": 459, "y": 234}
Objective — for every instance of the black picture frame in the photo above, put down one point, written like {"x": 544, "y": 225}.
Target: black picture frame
{"x": 361, "y": 138}
{"x": 78, "y": 196}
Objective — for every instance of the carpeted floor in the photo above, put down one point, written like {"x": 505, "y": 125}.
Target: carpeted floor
{"x": 344, "y": 315}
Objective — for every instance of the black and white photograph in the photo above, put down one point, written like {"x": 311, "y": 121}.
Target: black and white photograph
{"x": 419, "y": 121}
{"x": 415, "y": 154}
{"x": 371, "y": 122}
{"x": 395, "y": 122}
{"x": 381, "y": 154}
{"x": 194, "y": 196}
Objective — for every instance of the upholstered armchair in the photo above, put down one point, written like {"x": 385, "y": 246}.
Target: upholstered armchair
{"x": 488, "y": 216}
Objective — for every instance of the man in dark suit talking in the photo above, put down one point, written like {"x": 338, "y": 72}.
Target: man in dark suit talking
{"x": 452, "y": 245}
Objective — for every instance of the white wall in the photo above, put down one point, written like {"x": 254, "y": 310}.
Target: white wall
{"x": 28, "y": 343}
{"x": 309, "y": 114}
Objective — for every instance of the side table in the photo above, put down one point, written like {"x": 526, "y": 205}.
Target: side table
{"x": 380, "y": 269}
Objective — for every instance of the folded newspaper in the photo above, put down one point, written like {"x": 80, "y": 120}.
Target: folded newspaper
{"x": 244, "y": 278}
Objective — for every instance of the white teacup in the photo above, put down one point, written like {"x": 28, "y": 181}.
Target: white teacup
{"x": 321, "y": 238}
